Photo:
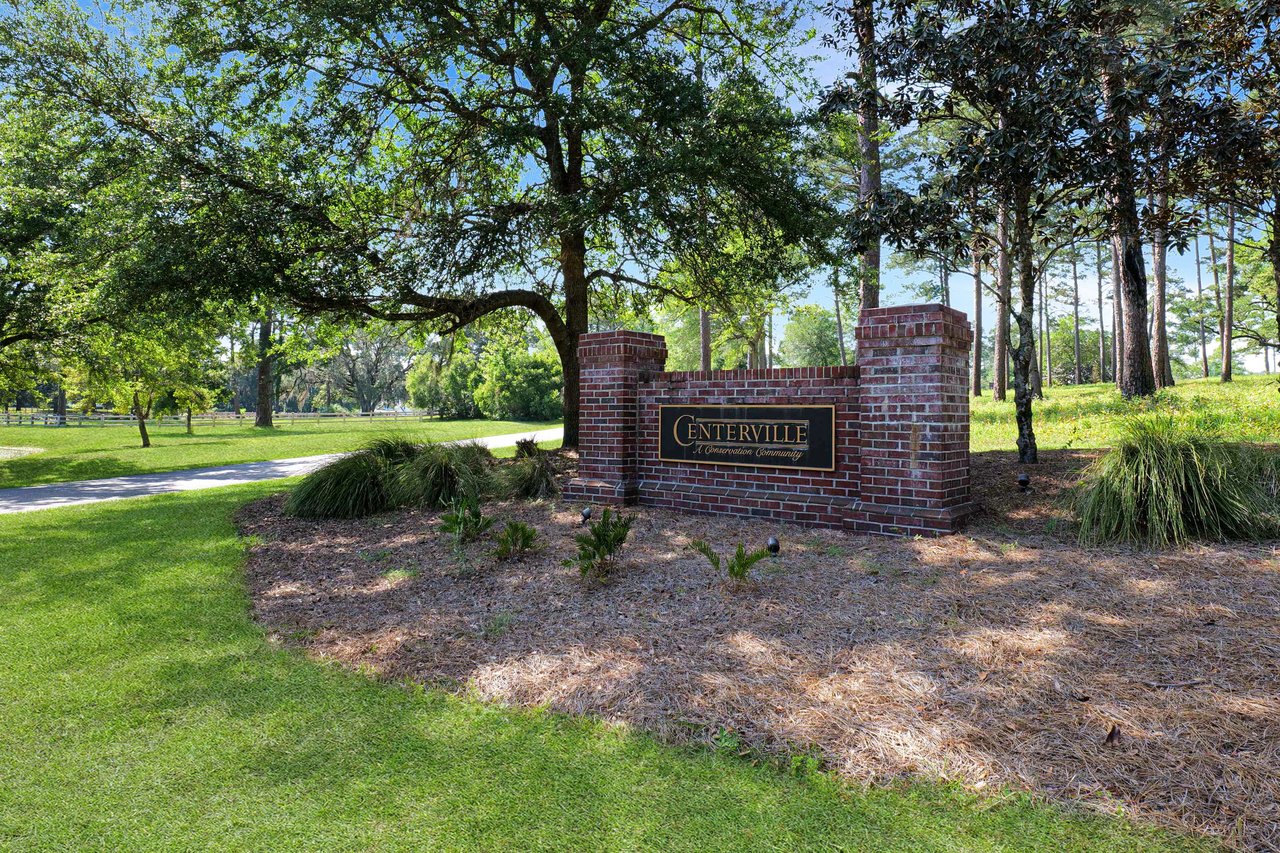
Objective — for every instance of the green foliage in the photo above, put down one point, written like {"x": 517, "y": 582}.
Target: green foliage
{"x": 599, "y": 546}
{"x": 514, "y": 540}
{"x": 449, "y": 391}
{"x": 518, "y": 383}
{"x": 465, "y": 521}
{"x": 353, "y": 486}
{"x": 1167, "y": 482}
{"x": 527, "y": 448}
{"x": 811, "y": 338}
{"x": 438, "y": 475}
{"x": 738, "y": 567}
{"x": 532, "y": 478}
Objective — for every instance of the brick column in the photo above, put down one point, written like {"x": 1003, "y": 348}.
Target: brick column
{"x": 914, "y": 436}
{"x": 612, "y": 365}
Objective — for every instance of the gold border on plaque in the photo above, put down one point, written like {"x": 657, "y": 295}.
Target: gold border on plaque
{"x": 832, "y": 407}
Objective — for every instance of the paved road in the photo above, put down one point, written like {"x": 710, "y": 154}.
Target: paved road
{"x": 52, "y": 495}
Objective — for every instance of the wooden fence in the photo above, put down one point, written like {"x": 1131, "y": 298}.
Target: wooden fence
{"x": 33, "y": 418}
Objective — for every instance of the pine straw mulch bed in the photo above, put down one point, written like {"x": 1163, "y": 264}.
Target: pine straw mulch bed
{"x": 1004, "y": 656}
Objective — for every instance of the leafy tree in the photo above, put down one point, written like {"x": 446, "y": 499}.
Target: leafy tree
{"x": 811, "y": 338}
{"x": 450, "y": 390}
{"x": 519, "y": 384}
{"x": 136, "y": 370}
{"x": 438, "y": 168}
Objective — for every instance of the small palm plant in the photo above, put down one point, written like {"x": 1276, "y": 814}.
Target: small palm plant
{"x": 738, "y": 566}
{"x": 599, "y": 546}
{"x": 465, "y": 521}
{"x": 514, "y": 540}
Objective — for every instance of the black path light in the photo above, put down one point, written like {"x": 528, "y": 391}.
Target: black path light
{"x": 1024, "y": 481}
{"x": 773, "y": 545}
{"x": 586, "y": 514}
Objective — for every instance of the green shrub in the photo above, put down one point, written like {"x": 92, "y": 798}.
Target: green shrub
{"x": 530, "y": 479}
{"x": 518, "y": 384}
{"x": 739, "y": 565}
{"x": 441, "y": 474}
{"x": 449, "y": 391}
{"x": 599, "y": 546}
{"x": 465, "y": 521}
{"x": 514, "y": 540}
{"x": 351, "y": 486}
{"x": 1168, "y": 481}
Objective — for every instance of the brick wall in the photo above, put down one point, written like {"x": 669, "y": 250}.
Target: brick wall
{"x": 902, "y": 429}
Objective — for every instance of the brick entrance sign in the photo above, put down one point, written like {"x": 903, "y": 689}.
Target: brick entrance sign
{"x": 882, "y": 447}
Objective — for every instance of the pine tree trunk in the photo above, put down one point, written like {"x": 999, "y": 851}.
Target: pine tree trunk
{"x": 864, "y": 25}
{"x": 976, "y": 367}
{"x": 1102, "y": 325}
{"x": 1204, "y": 345}
{"x": 1075, "y": 308}
{"x": 266, "y": 374}
{"x": 835, "y": 295}
{"x": 1138, "y": 381}
{"x": 1024, "y": 353}
{"x": 1161, "y": 367}
{"x": 1229, "y": 297}
{"x": 1117, "y": 325}
{"x": 1273, "y": 252}
{"x": 704, "y": 339}
{"x": 1004, "y": 293}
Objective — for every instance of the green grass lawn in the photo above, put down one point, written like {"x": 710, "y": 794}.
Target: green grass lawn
{"x": 87, "y": 453}
{"x": 141, "y": 709}
{"x": 1086, "y": 415}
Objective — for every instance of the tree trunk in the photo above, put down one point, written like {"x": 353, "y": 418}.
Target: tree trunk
{"x": 141, "y": 416}
{"x": 266, "y": 374}
{"x": 1075, "y": 315}
{"x": 704, "y": 339}
{"x": 1217, "y": 283}
{"x": 1102, "y": 325}
{"x": 1273, "y": 252}
{"x": 573, "y": 258}
{"x": 60, "y": 406}
{"x": 1023, "y": 354}
{"x": 1229, "y": 298}
{"x": 835, "y": 295}
{"x": 1004, "y": 290}
{"x": 976, "y": 253}
{"x": 1117, "y": 325}
{"x": 864, "y": 24}
{"x": 190, "y": 431}
{"x": 1139, "y": 381}
{"x": 1204, "y": 345}
{"x": 1037, "y": 364}
{"x": 1161, "y": 368}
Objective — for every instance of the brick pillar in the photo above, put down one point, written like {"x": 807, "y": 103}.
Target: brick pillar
{"x": 612, "y": 364}
{"x": 914, "y": 436}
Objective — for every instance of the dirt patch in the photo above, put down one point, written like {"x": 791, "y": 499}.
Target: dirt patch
{"x": 1004, "y": 656}
{"x": 16, "y": 452}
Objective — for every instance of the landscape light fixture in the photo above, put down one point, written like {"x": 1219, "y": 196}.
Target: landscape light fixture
{"x": 773, "y": 545}
{"x": 586, "y": 514}
{"x": 1024, "y": 481}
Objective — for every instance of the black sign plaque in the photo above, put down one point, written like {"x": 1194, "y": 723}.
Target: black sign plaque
{"x": 802, "y": 437}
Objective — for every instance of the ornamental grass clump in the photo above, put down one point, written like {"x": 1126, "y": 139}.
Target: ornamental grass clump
{"x": 441, "y": 474}
{"x": 352, "y": 486}
{"x": 530, "y": 478}
{"x": 1168, "y": 481}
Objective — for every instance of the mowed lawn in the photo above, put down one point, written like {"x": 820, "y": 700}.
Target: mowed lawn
{"x": 142, "y": 709}
{"x": 90, "y": 452}
{"x": 1087, "y": 416}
